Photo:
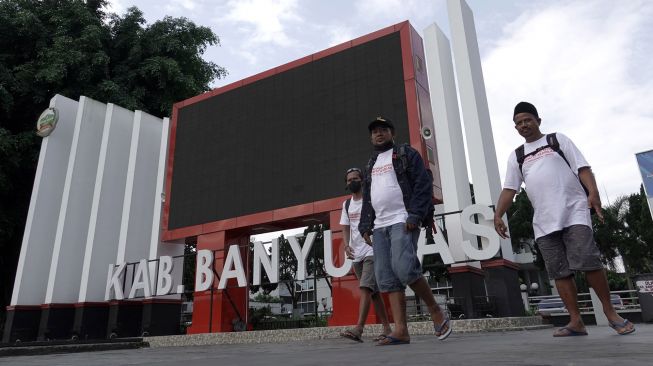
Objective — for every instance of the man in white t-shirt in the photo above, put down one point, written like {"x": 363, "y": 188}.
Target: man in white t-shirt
{"x": 362, "y": 256}
{"x": 397, "y": 199}
{"x": 556, "y": 175}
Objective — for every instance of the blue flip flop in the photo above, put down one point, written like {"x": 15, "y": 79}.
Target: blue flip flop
{"x": 616, "y": 326}
{"x": 570, "y": 332}
{"x": 391, "y": 341}
{"x": 438, "y": 329}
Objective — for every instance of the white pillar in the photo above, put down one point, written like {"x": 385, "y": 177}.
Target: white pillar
{"x": 73, "y": 218}
{"x": 476, "y": 116}
{"x": 157, "y": 247}
{"x": 448, "y": 135}
{"x": 599, "y": 315}
{"x": 524, "y": 299}
{"x": 135, "y": 236}
{"x": 106, "y": 213}
{"x": 36, "y": 250}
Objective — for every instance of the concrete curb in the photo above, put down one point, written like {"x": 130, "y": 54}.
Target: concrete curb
{"x": 68, "y": 348}
{"x": 371, "y": 331}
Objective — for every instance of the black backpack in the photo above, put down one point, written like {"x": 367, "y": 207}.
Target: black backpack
{"x": 552, "y": 142}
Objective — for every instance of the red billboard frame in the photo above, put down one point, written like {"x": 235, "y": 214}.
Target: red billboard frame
{"x": 418, "y": 112}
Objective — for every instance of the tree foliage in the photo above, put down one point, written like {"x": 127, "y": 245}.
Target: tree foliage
{"x": 314, "y": 262}
{"x": 73, "y": 48}
{"x": 520, "y": 222}
{"x": 628, "y": 231}
{"x": 288, "y": 265}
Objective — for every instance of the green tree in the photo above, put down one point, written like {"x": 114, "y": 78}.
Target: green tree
{"x": 637, "y": 251}
{"x": 628, "y": 231}
{"x": 266, "y": 285}
{"x": 612, "y": 233}
{"x": 314, "y": 264}
{"x": 73, "y": 48}
{"x": 520, "y": 222}
{"x": 188, "y": 279}
{"x": 288, "y": 269}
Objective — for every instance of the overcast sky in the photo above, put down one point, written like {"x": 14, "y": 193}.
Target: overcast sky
{"x": 584, "y": 64}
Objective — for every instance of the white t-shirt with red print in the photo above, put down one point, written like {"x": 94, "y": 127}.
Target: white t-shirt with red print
{"x": 360, "y": 248}
{"x": 386, "y": 195}
{"x": 553, "y": 186}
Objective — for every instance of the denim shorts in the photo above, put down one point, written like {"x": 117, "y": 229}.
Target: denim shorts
{"x": 395, "y": 257}
{"x": 570, "y": 249}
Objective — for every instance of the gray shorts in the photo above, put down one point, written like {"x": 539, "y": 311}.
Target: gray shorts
{"x": 570, "y": 249}
{"x": 365, "y": 273}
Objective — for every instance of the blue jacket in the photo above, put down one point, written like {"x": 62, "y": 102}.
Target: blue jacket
{"x": 416, "y": 186}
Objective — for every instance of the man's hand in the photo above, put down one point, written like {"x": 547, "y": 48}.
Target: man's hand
{"x": 410, "y": 227}
{"x": 349, "y": 251}
{"x": 594, "y": 201}
{"x": 367, "y": 239}
{"x": 500, "y": 227}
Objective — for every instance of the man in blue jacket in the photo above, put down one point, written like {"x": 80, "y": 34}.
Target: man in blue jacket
{"x": 397, "y": 198}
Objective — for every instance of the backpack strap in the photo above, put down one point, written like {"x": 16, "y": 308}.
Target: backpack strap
{"x": 554, "y": 144}
{"x": 347, "y": 203}
{"x": 552, "y": 141}
{"x": 400, "y": 155}
{"x": 519, "y": 153}
{"x": 403, "y": 157}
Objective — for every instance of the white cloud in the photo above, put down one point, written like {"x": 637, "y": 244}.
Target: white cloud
{"x": 339, "y": 33}
{"x": 397, "y": 10}
{"x": 264, "y": 20}
{"x": 116, "y": 6}
{"x": 583, "y": 65}
{"x": 180, "y": 6}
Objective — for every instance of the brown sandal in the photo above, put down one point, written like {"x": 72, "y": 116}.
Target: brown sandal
{"x": 351, "y": 335}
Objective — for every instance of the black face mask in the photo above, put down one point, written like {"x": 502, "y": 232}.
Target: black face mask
{"x": 354, "y": 186}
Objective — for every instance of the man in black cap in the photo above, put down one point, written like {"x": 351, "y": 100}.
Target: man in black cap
{"x": 397, "y": 199}
{"x": 561, "y": 187}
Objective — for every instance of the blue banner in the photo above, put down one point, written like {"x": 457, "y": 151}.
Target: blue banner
{"x": 645, "y": 161}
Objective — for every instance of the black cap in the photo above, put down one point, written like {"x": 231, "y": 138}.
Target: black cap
{"x": 525, "y": 107}
{"x": 381, "y": 121}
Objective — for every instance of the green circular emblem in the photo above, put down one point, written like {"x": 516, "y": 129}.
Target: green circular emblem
{"x": 47, "y": 122}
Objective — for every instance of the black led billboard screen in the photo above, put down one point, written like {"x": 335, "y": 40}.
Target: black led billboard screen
{"x": 286, "y": 139}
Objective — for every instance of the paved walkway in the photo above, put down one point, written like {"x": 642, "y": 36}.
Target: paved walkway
{"x": 532, "y": 347}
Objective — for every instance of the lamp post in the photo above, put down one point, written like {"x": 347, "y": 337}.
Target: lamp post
{"x": 524, "y": 296}
{"x": 534, "y": 288}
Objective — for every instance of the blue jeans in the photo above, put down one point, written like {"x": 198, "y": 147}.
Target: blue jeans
{"x": 395, "y": 257}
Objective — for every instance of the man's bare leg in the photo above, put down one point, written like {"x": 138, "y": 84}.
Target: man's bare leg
{"x": 363, "y": 309}
{"x": 423, "y": 291}
{"x": 569, "y": 295}
{"x": 379, "y": 308}
{"x": 599, "y": 282}
{"x": 398, "y": 307}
